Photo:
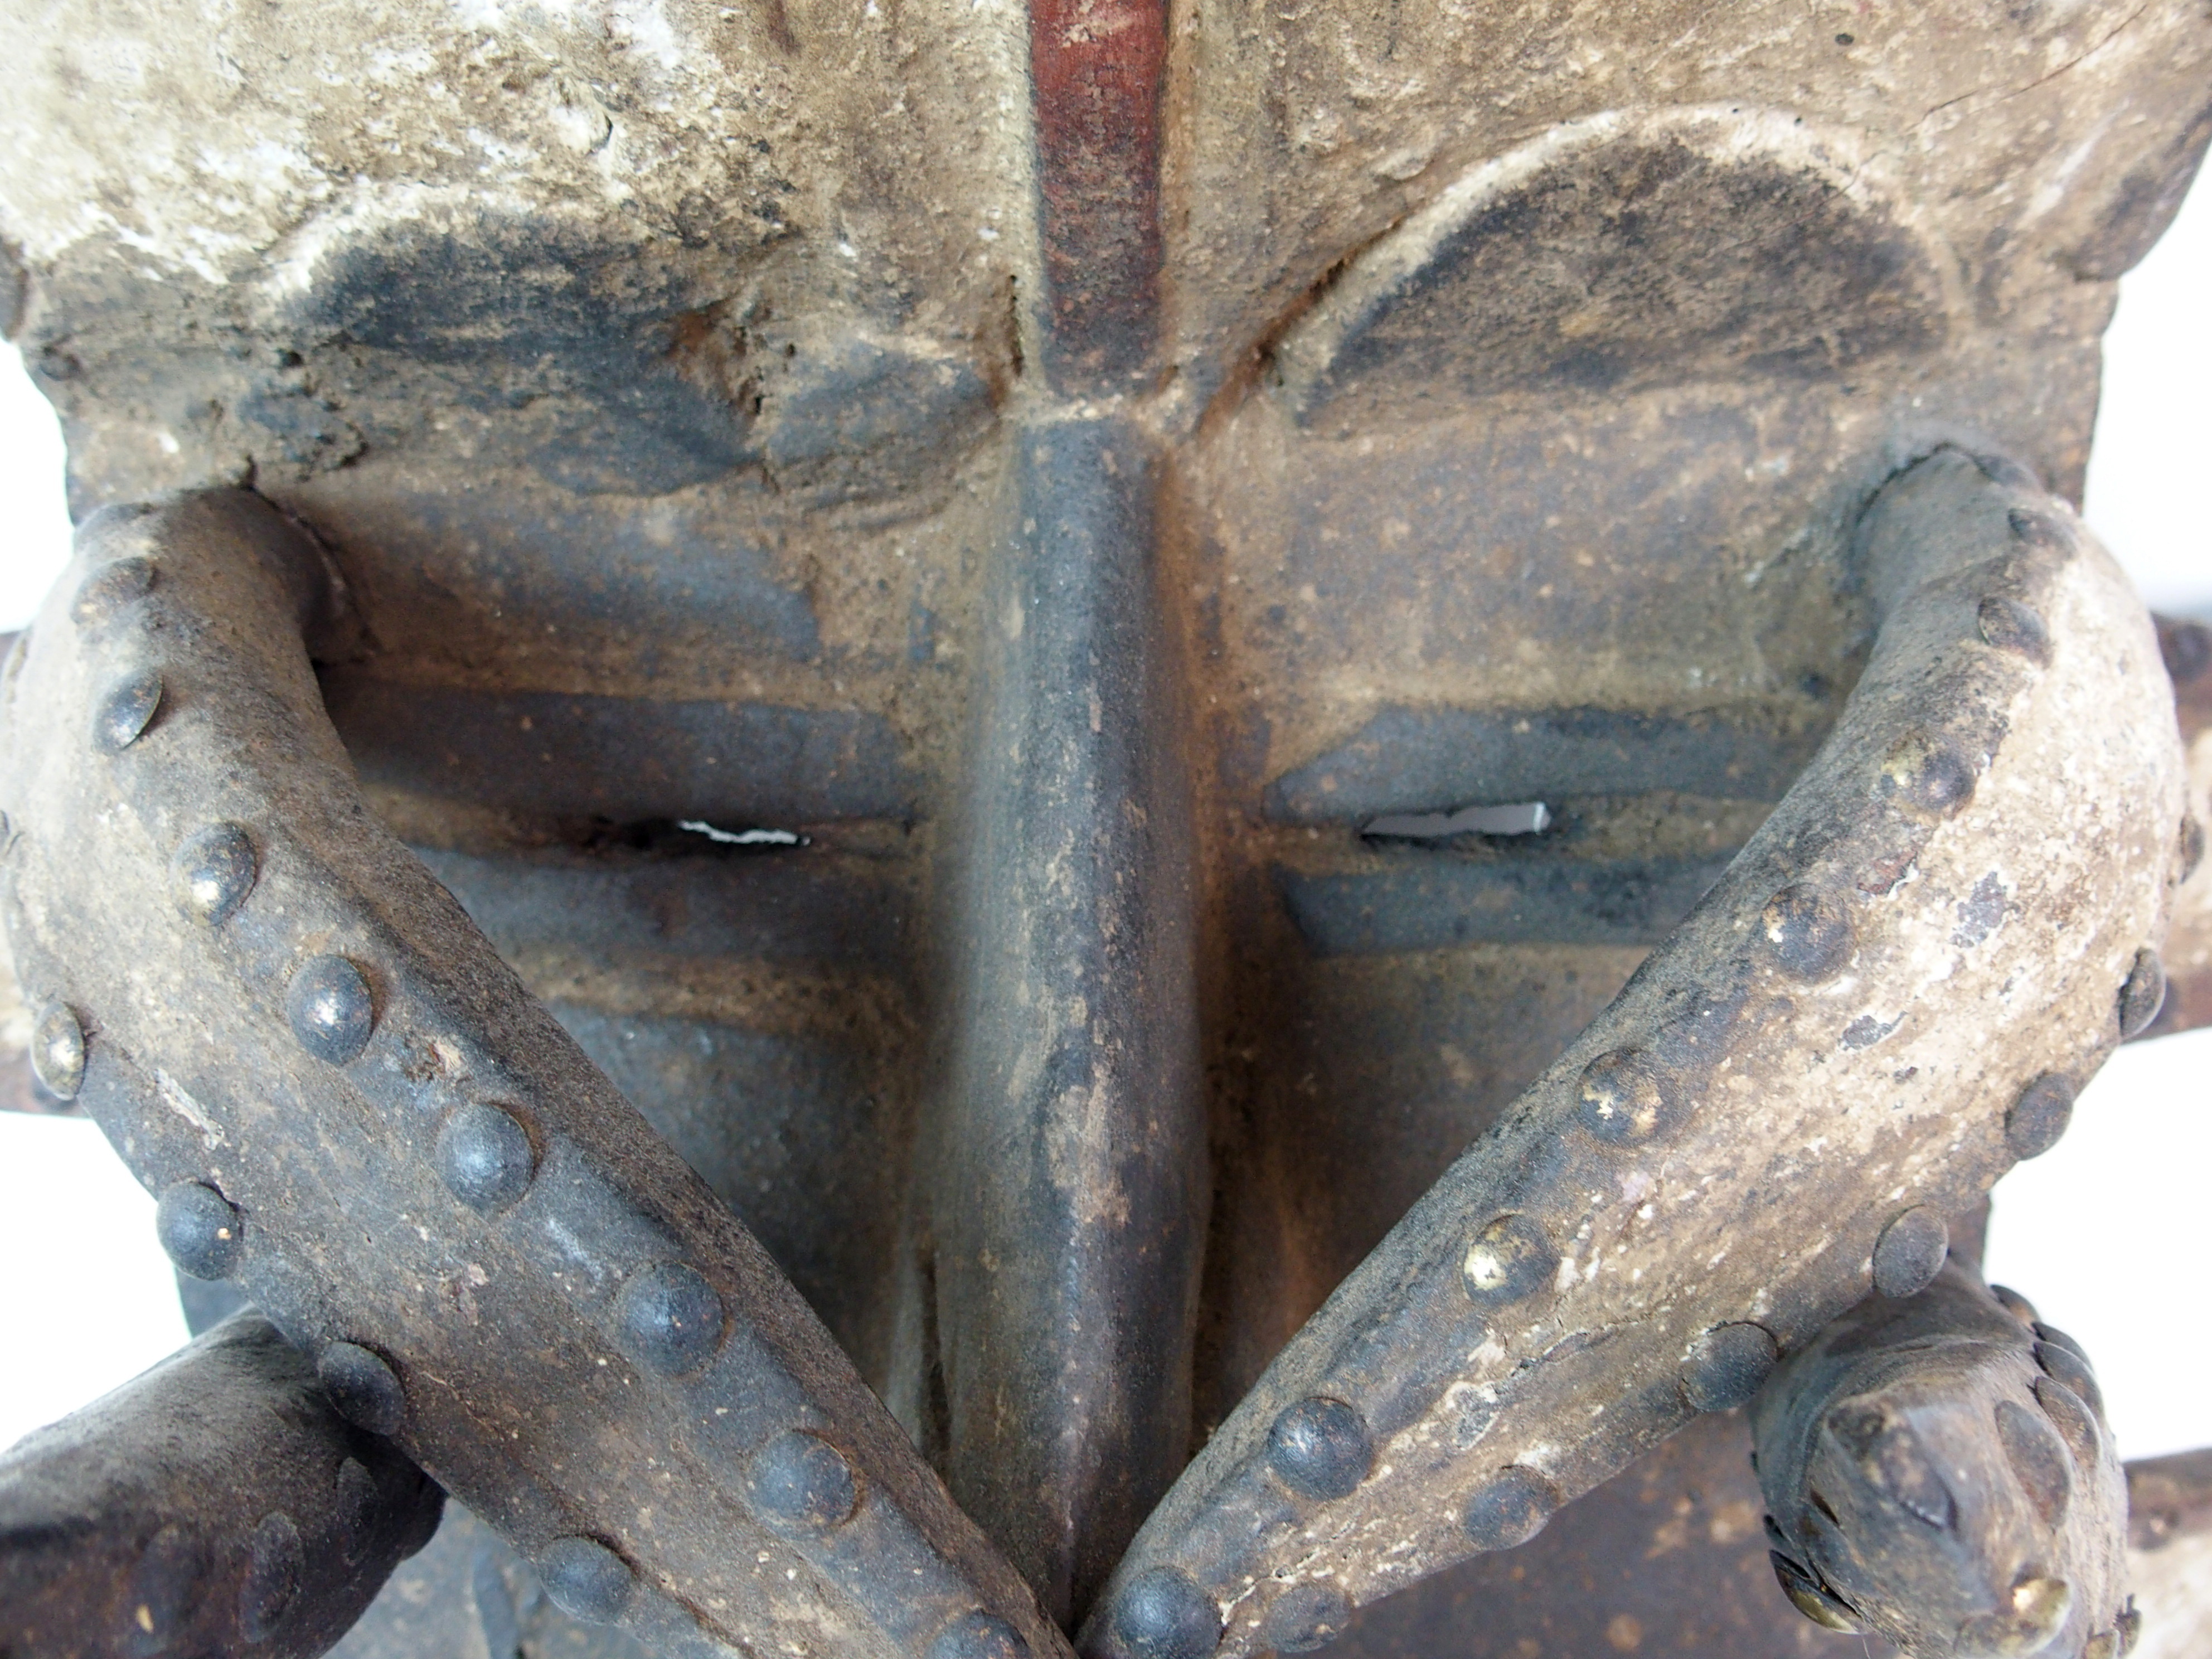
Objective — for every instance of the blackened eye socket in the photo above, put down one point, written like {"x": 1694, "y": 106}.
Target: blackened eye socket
{"x": 1610, "y": 258}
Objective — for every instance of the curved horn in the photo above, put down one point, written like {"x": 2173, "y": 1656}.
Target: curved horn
{"x": 1889, "y": 998}
{"x": 280, "y": 1019}
{"x": 215, "y": 1503}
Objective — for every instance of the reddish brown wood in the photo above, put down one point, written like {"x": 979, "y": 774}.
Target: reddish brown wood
{"x": 1095, "y": 69}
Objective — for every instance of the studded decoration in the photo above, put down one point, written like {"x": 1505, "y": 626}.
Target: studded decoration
{"x": 1771, "y": 1033}
{"x": 215, "y": 870}
{"x": 1808, "y": 932}
{"x": 331, "y": 1010}
{"x": 125, "y": 712}
{"x": 1728, "y": 1365}
{"x": 978, "y": 1636}
{"x": 484, "y": 1156}
{"x": 1911, "y": 1461}
{"x": 585, "y": 1579}
{"x": 1509, "y": 1508}
{"x": 671, "y": 1318}
{"x": 111, "y": 590}
{"x": 1106, "y": 838}
{"x": 58, "y": 1051}
{"x": 1319, "y": 1448}
{"x": 1910, "y": 1252}
{"x": 1162, "y": 1614}
{"x": 362, "y": 1386}
{"x": 278, "y": 1523}
{"x": 801, "y": 1483}
{"x": 202, "y": 1231}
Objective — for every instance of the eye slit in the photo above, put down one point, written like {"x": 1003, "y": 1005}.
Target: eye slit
{"x": 1521, "y": 818}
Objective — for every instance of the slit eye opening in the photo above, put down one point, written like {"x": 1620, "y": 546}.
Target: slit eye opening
{"x": 1530, "y": 818}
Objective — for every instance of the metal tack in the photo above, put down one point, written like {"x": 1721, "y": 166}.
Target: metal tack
{"x": 125, "y": 711}
{"x": 1911, "y": 1252}
{"x": 1162, "y": 1613}
{"x": 979, "y": 1635}
{"x": 800, "y": 1483}
{"x": 1808, "y": 933}
{"x": 214, "y": 870}
{"x": 671, "y": 1318}
{"x": 364, "y": 1388}
{"x": 1319, "y": 1448}
{"x": 330, "y": 1009}
{"x": 1511, "y": 1510}
{"x": 484, "y": 1157}
{"x": 1510, "y": 1258}
{"x": 585, "y": 1579}
{"x": 58, "y": 1052}
{"x": 200, "y": 1229}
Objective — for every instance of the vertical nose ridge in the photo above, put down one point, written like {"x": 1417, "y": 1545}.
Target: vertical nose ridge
{"x": 1063, "y": 1185}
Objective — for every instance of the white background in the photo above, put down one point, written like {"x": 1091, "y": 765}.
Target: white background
{"x": 2106, "y": 1234}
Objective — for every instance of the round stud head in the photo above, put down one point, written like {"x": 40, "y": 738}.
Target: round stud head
{"x": 1728, "y": 1364}
{"x": 2076, "y": 1423}
{"x": 275, "y": 1564}
{"x": 979, "y": 1635}
{"x": 1162, "y": 1613}
{"x": 1319, "y": 1448}
{"x": 2143, "y": 994}
{"x": 364, "y": 1388}
{"x": 58, "y": 1051}
{"x": 2061, "y": 1358}
{"x": 1807, "y": 934}
{"x": 1809, "y": 1597}
{"x": 1512, "y": 1509}
{"x": 214, "y": 870}
{"x": 2037, "y": 1611}
{"x": 484, "y": 1157}
{"x": 2058, "y": 1339}
{"x": 1927, "y": 777}
{"x": 331, "y": 1011}
{"x": 1511, "y": 1257}
{"x": 125, "y": 711}
{"x": 2009, "y": 625}
{"x": 585, "y": 1579}
{"x": 671, "y": 1318}
{"x": 1304, "y": 1617}
{"x": 2189, "y": 846}
{"x": 800, "y": 1483}
{"x": 2014, "y": 1304}
{"x": 200, "y": 1229}
{"x": 1623, "y": 1098}
{"x": 2040, "y": 1116}
{"x": 1910, "y": 1252}
{"x": 112, "y": 589}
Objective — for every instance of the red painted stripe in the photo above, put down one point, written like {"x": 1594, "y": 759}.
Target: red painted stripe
{"x": 1095, "y": 67}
